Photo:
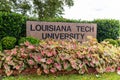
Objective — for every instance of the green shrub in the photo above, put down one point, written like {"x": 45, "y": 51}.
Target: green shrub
{"x": 8, "y": 42}
{"x": 118, "y": 41}
{"x": 112, "y": 41}
{"x": 0, "y": 46}
{"x": 107, "y": 29}
{"x": 12, "y": 24}
{"x": 29, "y": 39}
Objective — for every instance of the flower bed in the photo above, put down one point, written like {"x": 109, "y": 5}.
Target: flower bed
{"x": 55, "y": 57}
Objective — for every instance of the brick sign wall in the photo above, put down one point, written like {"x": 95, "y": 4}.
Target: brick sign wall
{"x": 61, "y": 30}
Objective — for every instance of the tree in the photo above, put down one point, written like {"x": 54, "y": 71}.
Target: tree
{"x": 41, "y": 8}
{"x": 5, "y": 5}
{"x": 50, "y": 8}
{"x": 21, "y": 6}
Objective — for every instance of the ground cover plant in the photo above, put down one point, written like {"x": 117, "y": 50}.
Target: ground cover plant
{"x": 60, "y": 57}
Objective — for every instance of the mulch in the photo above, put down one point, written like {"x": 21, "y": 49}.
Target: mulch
{"x": 34, "y": 71}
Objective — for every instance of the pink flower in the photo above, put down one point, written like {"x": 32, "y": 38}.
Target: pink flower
{"x": 112, "y": 69}
{"x": 10, "y": 62}
{"x": 82, "y": 71}
{"x": 38, "y": 58}
{"x": 17, "y": 67}
{"x": 63, "y": 42}
{"x": 14, "y": 51}
{"x": 80, "y": 65}
{"x": 73, "y": 64}
{"x": 6, "y": 66}
{"x": 65, "y": 65}
{"x": 35, "y": 66}
{"x": 23, "y": 55}
{"x": 31, "y": 62}
{"x": 9, "y": 72}
{"x": 62, "y": 57}
{"x": 108, "y": 69}
{"x": 53, "y": 70}
{"x": 22, "y": 50}
{"x": 8, "y": 58}
{"x": 50, "y": 42}
{"x": 26, "y": 43}
{"x": 91, "y": 64}
{"x": 69, "y": 46}
{"x": 31, "y": 47}
{"x": 43, "y": 53}
{"x": 79, "y": 55}
{"x": 88, "y": 55}
{"x": 43, "y": 60}
{"x": 95, "y": 60}
{"x": 74, "y": 46}
{"x": 31, "y": 55}
{"x": 58, "y": 66}
{"x": 49, "y": 61}
{"x": 54, "y": 52}
{"x": 118, "y": 70}
{"x": 49, "y": 54}
{"x": 46, "y": 71}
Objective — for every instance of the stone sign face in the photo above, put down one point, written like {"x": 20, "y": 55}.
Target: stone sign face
{"x": 61, "y": 30}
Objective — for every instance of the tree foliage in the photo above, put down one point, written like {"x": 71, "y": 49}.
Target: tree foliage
{"x": 5, "y": 5}
{"x": 40, "y": 8}
{"x": 21, "y": 6}
{"x": 50, "y": 8}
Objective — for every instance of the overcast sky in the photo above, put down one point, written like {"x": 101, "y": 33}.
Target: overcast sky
{"x": 93, "y": 9}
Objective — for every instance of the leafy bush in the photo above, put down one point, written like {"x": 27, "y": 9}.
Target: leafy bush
{"x": 8, "y": 42}
{"x": 118, "y": 41}
{"x": 12, "y": 24}
{"x": 29, "y": 39}
{"x": 107, "y": 28}
{"x": 0, "y": 46}
{"x": 112, "y": 41}
{"x": 52, "y": 56}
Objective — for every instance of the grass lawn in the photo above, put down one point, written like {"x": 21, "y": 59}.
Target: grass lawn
{"x": 105, "y": 76}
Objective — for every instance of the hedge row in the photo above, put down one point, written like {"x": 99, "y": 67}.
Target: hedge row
{"x": 107, "y": 29}
{"x": 12, "y": 24}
